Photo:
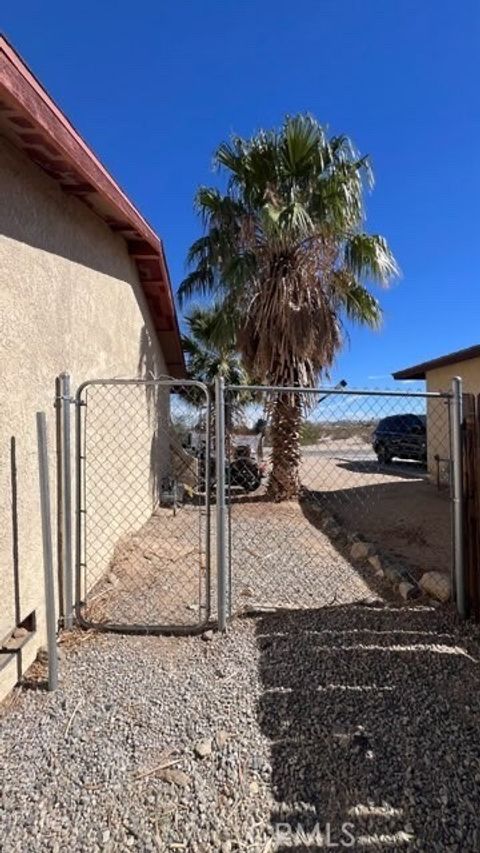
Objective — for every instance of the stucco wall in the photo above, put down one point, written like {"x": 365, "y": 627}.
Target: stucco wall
{"x": 440, "y": 379}
{"x": 69, "y": 301}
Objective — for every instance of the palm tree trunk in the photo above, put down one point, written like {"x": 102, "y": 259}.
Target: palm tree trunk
{"x": 284, "y": 480}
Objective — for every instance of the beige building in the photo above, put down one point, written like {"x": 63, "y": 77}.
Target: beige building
{"x": 84, "y": 288}
{"x": 438, "y": 374}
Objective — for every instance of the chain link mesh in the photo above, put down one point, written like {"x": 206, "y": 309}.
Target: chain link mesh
{"x": 144, "y": 467}
{"x": 374, "y": 496}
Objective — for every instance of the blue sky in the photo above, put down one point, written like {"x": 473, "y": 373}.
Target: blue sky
{"x": 155, "y": 86}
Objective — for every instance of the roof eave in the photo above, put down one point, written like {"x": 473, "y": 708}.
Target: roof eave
{"x": 43, "y": 132}
{"x": 419, "y": 371}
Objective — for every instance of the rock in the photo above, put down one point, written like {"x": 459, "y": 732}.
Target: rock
{"x": 221, "y": 738}
{"x": 20, "y": 632}
{"x": 226, "y": 846}
{"x": 208, "y": 636}
{"x": 42, "y": 654}
{"x": 175, "y": 777}
{"x": 112, "y": 578}
{"x": 376, "y": 565}
{"x": 203, "y": 748}
{"x": 247, "y": 591}
{"x": 394, "y": 575}
{"x": 408, "y": 590}
{"x": 254, "y": 787}
{"x": 437, "y": 585}
{"x": 360, "y": 551}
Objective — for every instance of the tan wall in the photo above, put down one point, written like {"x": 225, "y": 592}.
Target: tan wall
{"x": 69, "y": 301}
{"x": 440, "y": 379}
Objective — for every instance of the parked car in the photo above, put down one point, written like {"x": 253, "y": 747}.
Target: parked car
{"x": 401, "y": 436}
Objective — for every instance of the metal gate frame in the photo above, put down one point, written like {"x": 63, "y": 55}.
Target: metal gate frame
{"x": 71, "y": 605}
{"x": 80, "y": 511}
{"x": 223, "y": 545}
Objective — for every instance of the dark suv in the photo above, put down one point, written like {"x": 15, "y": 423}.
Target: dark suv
{"x": 403, "y": 436}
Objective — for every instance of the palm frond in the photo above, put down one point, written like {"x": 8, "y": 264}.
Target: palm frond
{"x": 359, "y": 305}
{"x": 199, "y": 282}
{"x": 369, "y": 256}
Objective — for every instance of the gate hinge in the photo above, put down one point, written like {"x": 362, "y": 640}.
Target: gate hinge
{"x": 72, "y": 400}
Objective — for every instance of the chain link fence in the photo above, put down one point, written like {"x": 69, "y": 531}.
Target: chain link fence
{"x": 371, "y": 476}
{"x": 373, "y": 498}
{"x": 143, "y": 519}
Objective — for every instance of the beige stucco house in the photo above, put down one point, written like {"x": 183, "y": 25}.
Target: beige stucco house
{"x": 438, "y": 374}
{"x": 84, "y": 288}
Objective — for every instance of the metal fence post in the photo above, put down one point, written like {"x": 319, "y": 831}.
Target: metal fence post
{"x": 67, "y": 501}
{"x": 459, "y": 571}
{"x": 47, "y": 551}
{"x": 59, "y": 484}
{"x": 220, "y": 502}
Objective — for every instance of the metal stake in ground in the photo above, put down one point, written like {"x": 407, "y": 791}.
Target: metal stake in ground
{"x": 51, "y": 620}
{"x": 220, "y": 499}
{"x": 458, "y": 496}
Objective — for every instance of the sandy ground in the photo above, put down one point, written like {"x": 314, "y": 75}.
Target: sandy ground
{"x": 157, "y": 575}
{"x": 396, "y": 506}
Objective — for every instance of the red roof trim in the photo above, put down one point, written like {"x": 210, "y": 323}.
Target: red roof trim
{"x": 44, "y": 133}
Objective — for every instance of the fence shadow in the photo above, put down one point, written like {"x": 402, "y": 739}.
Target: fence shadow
{"x": 157, "y": 408}
{"x": 405, "y": 469}
{"x": 407, "y": 519}
{"x": 371, "y": 713}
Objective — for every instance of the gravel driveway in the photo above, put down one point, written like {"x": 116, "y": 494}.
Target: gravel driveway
{"x": 365, "y": 714}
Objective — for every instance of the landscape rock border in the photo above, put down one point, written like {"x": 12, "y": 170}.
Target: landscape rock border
{"x": 359, "y": 550}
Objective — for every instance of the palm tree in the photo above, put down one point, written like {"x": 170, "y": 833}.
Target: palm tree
{"x": 284, "y": 252}
{"x": 210, "y": 350}
{"x": 210, "y": 346}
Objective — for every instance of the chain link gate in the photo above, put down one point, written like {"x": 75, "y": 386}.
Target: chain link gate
{"x": 143, "y": 469}
{"x": 379, "y": 494}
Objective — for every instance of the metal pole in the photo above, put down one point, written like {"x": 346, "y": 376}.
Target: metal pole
{"x": 67, "y": 501}
{"x": 220, "y": 501}
{"x": 47, "y": 551}
{"x": 458, "y": 496}
{"x": 79, "y": 471}
{"x": 60, "y": 479}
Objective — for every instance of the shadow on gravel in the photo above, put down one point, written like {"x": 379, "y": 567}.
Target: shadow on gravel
{"x": 372, "y": 713}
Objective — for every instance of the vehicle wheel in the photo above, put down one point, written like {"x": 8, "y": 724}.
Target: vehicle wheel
{"x": 383, "y": 456}
{"x": 245, "y": 475}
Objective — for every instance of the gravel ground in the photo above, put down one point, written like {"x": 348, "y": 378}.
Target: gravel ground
{"x": 357, "y": 713}
{"x": 280, "y": 557}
